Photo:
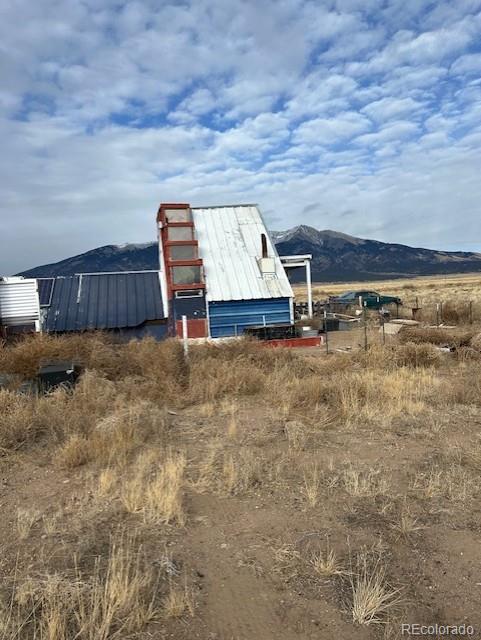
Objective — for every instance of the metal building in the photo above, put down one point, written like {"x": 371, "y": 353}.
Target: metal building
{"x": 129, "y": 303}
{"x": 222, "y": 268}
{"x": 19, "y": 304}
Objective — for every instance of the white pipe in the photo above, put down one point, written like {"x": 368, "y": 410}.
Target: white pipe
{"x": 309, "y": 288}
{"x": 185, "y": 336}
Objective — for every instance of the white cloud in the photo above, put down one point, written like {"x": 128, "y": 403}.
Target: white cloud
{"x": 388, "y": 108}
{"x": 107, "y": 108}
{"x": 394, "y": 131}
{"x": 470, "y": 63}
{"x": 327, "y": 131}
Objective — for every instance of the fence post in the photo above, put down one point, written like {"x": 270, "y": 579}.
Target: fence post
{"x": 364, "y": 315}
{"x": 325, "y": 330}
{"x": 185, "y": 337}
{"x": 383, "y": 329}
{"x": 437, "y": 314}
{"x": 470, "y": 312}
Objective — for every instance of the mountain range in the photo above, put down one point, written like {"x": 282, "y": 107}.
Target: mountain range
{"x": 336, "y": 256}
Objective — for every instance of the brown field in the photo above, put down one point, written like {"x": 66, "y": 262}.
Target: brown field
{"x": 428, "y": 289}
{"x": 458, "y": 295}
{"x": 247, "y": 494}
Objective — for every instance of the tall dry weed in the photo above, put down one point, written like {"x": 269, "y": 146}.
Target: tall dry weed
{"x": 155, "y": 488}
{"x": 115, "y": 600}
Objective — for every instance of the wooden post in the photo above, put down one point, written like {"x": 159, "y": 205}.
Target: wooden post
{"x": 470, "y": 312}
{"x": 325, "y": 330}
{"x": 364, "y": 313}
{"x": 437, "y": 314}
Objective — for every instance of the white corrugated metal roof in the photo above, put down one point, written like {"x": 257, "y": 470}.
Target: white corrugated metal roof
{"x": 19, "y": 302}
{"x": 230, "y": 247}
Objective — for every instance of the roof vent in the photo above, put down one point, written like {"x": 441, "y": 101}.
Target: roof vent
{"x": 267, "y": 265}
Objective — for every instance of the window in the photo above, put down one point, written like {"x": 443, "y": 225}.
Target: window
{"x": 180, "y": 233}
{"x": 185, "y": 252}
{"x": 189, "y": 293}
{"x": 178, "y": 215}
{"x": 186, "y": 275}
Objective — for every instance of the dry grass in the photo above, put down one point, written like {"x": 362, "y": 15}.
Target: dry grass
{"x": 436, "y": 336}
{"x": 155, "y": 488}
{"x": 178, "y": 602}
{"x": 455, "y": 291}
{"x": 117, "y": 599}
{"x": 50, "y": 522}
{"x": 296, "y": 433}
{"x": 372, "y": 596}
{"x": 26, "y": 518}
{"x": 326, "y": 563}
{"x": 407, "y": 524}
{"x": 227, "y": 472}
{"x": 102, "y": 420}
{"x": 451, "y": 482}
{"x": 312, "y": 482}
{"x": 244, "y": 424}
{"x": 360, "y": 483}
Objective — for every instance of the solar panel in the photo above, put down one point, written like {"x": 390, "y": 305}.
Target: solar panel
{"x": 45, "y": 290}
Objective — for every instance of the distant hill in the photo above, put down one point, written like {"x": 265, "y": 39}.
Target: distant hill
{"x": 335, "y": 257}
{"x": 128, "y": 257}
{"x": 339, "y": 257}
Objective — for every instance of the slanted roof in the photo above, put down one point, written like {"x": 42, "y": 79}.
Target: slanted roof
{"x": 230, "y": 247}
{"x": 104, "y": 301}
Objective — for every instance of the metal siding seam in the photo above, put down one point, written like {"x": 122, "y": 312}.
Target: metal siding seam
{"x": 150, "y": 294}
{"x": 132, "y": 302}
{"x": 141, "y": 317}
{"x": 121, "y": 304}
{"x": 103, "y": 306}
{"x": 74, "y": 310}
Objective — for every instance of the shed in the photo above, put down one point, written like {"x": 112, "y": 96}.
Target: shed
{"x": 245, "y": 282}
{"x": 127, "y": 302}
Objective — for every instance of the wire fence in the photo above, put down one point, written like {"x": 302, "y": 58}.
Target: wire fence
{"x": 360, "y": 327}
{"x": 436, "y": 313}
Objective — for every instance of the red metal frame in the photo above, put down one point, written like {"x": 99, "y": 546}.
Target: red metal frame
{"x": 196, "y": 327}
{"x": 314, "y": 341}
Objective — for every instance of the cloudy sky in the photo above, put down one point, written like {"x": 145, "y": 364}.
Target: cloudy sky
{"x": 362, "y": 116}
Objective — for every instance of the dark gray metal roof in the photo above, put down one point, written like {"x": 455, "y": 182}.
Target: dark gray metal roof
{"x": 104, "y": 301}
{"x": 45, "y": 289}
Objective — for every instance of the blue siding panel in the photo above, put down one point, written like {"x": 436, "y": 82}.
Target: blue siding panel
{"x": 232, "y": 317}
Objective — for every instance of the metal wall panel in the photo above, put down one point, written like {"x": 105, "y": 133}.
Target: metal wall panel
{"x": 105, "y": 301}
{"x": 231, "y": 318}
{"x": 19, "y": 302}
{"x": 191, "y": 307}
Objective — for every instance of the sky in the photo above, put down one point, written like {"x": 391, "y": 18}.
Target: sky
{"x": 362, "y": 116}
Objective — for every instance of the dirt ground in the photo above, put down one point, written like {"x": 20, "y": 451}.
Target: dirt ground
{"x": 284, "y": 508}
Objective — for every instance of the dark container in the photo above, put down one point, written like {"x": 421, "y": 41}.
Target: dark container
{"x": 56, "y": 374}
{"x": 332, "y": 324}
{"x": 279, "y": 332}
